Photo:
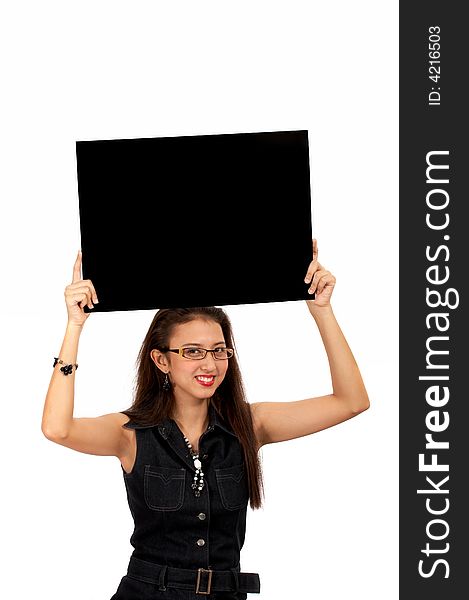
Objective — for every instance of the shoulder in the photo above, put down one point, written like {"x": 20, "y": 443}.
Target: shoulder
{"x": 254, "y": 406}
{"x": 120, "y": 420}
{"x": 121, "y": 417}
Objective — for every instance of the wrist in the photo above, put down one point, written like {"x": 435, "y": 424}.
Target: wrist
{"x": 67, "y": 368}
{"x": 319, "y": 312}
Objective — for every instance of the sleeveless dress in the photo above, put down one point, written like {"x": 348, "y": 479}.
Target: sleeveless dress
{"x": 172, "y": 526}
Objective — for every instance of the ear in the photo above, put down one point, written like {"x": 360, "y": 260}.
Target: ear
{"x": 160, "y": 360}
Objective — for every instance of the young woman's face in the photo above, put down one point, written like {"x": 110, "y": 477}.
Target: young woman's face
{"x": 196, "y": 378}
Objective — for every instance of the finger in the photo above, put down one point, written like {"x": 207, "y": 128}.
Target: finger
{"x": 328, "y": 281}
{"x": 95, "y": 295}
{"x": 315, "y": 249}
{"x": 85, "y": 283}
{"x": 313, "y": 267}
{"x": 80, "y": 300}
{"x": 80, "y": 293}
{"x": 85, "y": 300}
{"x": 87, "y": 303}
{"x": 317, "y": 277}
{"x": 80, "y": 286}
{"x": 311, "y": 270}
{"x": 77, "y": 268}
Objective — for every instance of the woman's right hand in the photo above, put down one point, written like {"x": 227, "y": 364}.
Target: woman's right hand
{"x": 78, "y": 294}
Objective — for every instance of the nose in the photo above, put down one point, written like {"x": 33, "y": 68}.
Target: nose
{"x": 209, "y": 363}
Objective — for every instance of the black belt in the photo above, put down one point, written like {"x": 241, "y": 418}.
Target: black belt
{"x": 203, "y": 581}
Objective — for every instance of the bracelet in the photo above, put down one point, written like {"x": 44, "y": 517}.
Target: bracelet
{"x": 66, "y": 369}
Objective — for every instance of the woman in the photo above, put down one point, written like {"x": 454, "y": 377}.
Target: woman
{"x": 188, "y": 446}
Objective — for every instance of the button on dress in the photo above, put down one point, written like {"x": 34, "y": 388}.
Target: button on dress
{"x": 174, "y": 527}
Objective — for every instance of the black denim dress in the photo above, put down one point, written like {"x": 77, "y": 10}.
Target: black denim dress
{"x": 173, "y": 527}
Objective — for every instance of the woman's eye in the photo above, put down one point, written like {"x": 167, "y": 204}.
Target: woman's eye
{"x": 220, "y": 350}
{"x": 193, "y": 351}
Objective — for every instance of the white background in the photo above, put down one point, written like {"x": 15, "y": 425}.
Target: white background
{"x": 102, "y": 70}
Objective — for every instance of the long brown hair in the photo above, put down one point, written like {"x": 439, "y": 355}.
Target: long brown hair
{"x": 152, "y": 403}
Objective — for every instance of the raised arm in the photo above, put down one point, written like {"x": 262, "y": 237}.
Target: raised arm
{"x": 101, "y": 435}
{"x": 281, "y": 421}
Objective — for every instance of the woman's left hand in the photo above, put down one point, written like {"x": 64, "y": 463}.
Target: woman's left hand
{"x": 321, "y": 281}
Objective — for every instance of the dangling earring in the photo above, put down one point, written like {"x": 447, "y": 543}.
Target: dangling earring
{"x": 166, "y": 384}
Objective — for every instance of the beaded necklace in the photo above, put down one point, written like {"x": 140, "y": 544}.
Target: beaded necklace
{"x": 198, "y": 482}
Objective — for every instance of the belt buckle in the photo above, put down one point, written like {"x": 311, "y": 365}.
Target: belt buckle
{"x": 199, "y": 571}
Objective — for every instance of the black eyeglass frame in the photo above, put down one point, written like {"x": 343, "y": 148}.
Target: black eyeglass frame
{"x": 205, "y": 350}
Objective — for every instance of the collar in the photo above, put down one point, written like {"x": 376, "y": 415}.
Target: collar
{"x": 166, "y": 425}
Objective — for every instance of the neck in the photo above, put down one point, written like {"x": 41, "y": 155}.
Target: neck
{"x": 192, "y": 418}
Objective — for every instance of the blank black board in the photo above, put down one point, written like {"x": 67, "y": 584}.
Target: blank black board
{"x": 206, "y": 220}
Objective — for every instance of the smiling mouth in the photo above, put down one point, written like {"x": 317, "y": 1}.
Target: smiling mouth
{"x": 205, "y": 379}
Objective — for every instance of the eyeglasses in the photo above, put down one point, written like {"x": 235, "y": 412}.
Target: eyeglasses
{"x": 201, "y": 353}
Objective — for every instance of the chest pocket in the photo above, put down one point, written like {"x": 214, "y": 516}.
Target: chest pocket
{"x": 164, "y": 487}
{"x": 233, "y": 488}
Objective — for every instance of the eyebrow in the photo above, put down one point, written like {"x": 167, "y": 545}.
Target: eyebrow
{"x": 200, "y": 345}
